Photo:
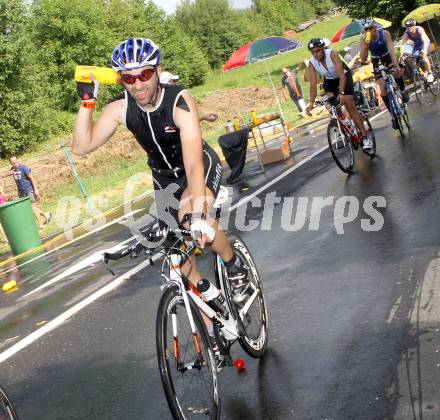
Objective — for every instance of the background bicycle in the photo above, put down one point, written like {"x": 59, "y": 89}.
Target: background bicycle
{"x": 343, "y": 136}
{"x": 398, "y": 109}
{"x": 419, "y": 76}
{"x": 189, "y": 358}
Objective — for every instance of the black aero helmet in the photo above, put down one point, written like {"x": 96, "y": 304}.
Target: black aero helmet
{"x": 316, "y": 42}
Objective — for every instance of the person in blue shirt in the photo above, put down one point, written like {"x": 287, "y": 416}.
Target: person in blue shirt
{"x": 421, "y": 42}
{"x": 379, "y": 44}
{"x": 26, "y": 186}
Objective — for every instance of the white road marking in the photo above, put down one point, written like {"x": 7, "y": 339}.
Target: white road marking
{"x": 72, "y": 241}
{"x": 393, "y": 310}
{"x": 60, "y": 319}
{"x": 91, "y": 259}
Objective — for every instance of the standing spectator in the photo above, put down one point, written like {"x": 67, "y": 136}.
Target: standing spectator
{"x": 289, "y": 79}
{"x": 27, "y": 186}
{"x": 3, "y": 200}
{"x": 170, "y": 79}
{"x": 3, "y": 196}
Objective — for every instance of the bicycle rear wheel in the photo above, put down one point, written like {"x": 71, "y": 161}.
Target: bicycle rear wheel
{"x": 186, "y": 362}
{"x": 7, "y": 411}
{"x": 372, "y": 98}
{"x": 418, "y": 86}
{"x": 340, "y": 147}
{"x": 252, "y": 312}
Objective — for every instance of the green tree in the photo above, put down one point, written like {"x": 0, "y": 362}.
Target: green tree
{"x": 280, "y": 15}
{"x": 23, "y": 111}
{"x": 214, "y": 25}
{"x": 66, "y": 33}
{"x": 393, "y": 10}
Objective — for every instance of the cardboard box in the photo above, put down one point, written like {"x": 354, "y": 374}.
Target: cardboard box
{"x": 273, "y": 155}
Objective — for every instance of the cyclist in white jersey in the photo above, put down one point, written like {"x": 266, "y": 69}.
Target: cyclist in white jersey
{"x": 338, "y": 82}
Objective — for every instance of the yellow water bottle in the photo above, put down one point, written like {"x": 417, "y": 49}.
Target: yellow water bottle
{"x": 236, "y": 123}
{"x": 254, "y": 116}
{"x": 103, "y": 75}
{"x": 368, "y": 37}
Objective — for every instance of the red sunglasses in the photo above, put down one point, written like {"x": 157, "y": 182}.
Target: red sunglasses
{"x": 144, "y": 76}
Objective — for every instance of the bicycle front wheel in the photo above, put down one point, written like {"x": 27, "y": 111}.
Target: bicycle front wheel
{"x": 418, "y": 86}
{"x": 186, "y": 361}
{"x": 252, "y": 312}
{"x": 7, "y": 411}
{"x": 340, "y": 147}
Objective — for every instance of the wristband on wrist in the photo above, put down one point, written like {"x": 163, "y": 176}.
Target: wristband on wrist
{"x": 88, "y": 104}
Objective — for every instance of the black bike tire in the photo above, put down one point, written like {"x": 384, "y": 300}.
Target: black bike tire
{"x": 333, "y": 123}
{"x": 420, "y": 82}
{"x": 247, "y": 343}
{"x": 7, "y": 405}
{"x": 405, "y": 118}
{"x": 371, "y": 153}
{"x": 373, "y": 102}
{"x": 395, "y": 112}
{"x": 164, "y": 367}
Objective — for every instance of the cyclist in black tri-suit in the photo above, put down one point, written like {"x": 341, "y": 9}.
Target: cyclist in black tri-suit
{"x": 165, "y": 122}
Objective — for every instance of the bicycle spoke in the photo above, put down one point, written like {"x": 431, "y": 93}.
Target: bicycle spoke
{"x": 340, "y": 147}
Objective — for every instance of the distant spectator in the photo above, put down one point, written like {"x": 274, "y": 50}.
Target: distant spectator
{"x": 3, "y": 200}
{"x": 211, "y": 117}
{"x": 290, "y": 80}
{"x": 167, "y": 78}
{"x": 3, "y": 196}
{"x": 27, "y": 186}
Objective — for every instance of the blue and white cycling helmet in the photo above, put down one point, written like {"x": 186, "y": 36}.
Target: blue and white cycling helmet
{"x": 368, "y": 22}
{"x": 134, "y": 53}
{"x": 410, "y": 22}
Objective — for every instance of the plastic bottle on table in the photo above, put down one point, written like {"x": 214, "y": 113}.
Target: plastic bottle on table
{"x": 236, "y": 123}
{"x": 253, "y": 116}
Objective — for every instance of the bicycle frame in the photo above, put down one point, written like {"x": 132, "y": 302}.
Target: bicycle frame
{"x": 227, "y": 325}
{"x": 391, "y": 87}
{"x": 344, "y": 130}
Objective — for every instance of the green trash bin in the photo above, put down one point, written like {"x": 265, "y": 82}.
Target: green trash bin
{"x": 18, "y": 221}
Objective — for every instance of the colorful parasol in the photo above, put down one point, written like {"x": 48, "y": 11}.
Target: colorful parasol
{"x": 423, "y": 13}
{"x": 260, "y": 49}
{"x": 355, "y": 28}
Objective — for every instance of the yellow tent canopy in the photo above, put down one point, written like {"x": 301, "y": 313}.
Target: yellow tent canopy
{"x": 423, "y": 13}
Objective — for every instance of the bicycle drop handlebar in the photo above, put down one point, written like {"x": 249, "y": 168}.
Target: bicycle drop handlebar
{"x": 156, "y": 236}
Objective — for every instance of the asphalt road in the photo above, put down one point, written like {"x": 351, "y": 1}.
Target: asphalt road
{"x": 354, "y": 316}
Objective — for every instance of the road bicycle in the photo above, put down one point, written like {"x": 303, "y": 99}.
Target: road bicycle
{"x": 420, "y": 76}
{"x": 365, "y": 96}
{"x": 398, "y": 108}
{"x": 188, "y": 365}
{"x": 7, "y": 411}
{"x": 344, "y": 137}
